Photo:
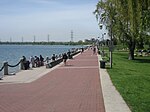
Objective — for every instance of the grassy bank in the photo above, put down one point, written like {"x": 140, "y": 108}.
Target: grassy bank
{"x": 132, "y": 80}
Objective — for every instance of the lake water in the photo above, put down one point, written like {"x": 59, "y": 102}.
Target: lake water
{"x": 13, "y": 53}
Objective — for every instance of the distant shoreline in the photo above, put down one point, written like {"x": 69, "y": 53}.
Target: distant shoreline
{"x": 44, "y": 43}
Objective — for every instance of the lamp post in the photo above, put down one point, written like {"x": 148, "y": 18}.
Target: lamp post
{"x": 111, "y": 46}
{"x": 103, "y": 40}
{"x": 101, "y": 27}
{"x": 98, "y": 43}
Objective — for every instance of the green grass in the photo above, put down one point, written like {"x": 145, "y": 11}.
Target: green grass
{"x": 132, "y": 80}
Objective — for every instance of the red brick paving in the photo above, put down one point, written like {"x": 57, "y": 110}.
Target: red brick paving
{"x": 72, "y": 88}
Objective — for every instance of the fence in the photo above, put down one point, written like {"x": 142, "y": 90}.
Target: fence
{"x": 6, "y": 65}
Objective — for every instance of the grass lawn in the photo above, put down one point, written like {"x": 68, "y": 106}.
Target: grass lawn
{"x": 132, "y": 80}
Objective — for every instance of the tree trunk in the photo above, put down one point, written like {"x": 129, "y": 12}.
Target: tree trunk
{"x": 131, "y": 50}
{"x": 131, "y": 54}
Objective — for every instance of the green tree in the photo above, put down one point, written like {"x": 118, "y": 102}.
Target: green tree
{"x": 127, "y": 20}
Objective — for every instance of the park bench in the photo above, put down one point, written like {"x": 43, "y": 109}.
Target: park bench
{"x": 54, "y": 63}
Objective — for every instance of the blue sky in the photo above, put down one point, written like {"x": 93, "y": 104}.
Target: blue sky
{"x": 26, "y": 18}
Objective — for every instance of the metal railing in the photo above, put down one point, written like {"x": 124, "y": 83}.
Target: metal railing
{"x": 6, "y": 65}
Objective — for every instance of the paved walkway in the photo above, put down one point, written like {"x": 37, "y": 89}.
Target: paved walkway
{"x": 72, "y": 88}
{"x": 26, "y": 76}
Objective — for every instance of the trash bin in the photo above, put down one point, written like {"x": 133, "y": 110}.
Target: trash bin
{"x": 102, "y": 64}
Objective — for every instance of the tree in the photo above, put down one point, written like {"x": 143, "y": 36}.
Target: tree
{"x": 127, "y": 20}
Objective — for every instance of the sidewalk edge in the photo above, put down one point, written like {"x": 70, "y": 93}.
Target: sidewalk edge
{"x": 113, "y": 101}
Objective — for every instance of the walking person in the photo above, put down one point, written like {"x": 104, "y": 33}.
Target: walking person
{"x": 94, "y": 50}
{"x": 65, "y": 59}
{"x": 82, "y": 50}
{"x": 69, "y": 55}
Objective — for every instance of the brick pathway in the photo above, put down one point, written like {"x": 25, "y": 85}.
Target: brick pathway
{"x": 72, "y": 88}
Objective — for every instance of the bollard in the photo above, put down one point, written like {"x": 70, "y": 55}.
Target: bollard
{"x": 21, "y": 64}
{"x": 5, "y": 68}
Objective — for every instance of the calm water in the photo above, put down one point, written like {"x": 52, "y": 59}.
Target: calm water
{"x": 13, "y": 53}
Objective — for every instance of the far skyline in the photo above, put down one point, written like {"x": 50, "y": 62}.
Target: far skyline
{"x": 34, "y": 20}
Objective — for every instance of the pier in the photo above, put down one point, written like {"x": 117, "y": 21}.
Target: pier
{"x": 76, "y": 87}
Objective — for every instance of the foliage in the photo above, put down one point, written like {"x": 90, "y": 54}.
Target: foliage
{"x": 127, "y": 20}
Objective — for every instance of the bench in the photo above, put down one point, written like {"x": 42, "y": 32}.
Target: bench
{"x": 54, "y": 63}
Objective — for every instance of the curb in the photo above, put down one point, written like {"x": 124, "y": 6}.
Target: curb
{"x": 113, "y": 101}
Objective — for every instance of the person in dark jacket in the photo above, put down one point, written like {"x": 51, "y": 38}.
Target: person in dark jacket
{"x": 65, "y": 57}
{"x": 26, "y": 63}
{"x": 53, "y": 57}
{"x": 41, "y": 60}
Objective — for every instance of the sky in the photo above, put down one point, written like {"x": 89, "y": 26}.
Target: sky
{"x": 22, "y": 20}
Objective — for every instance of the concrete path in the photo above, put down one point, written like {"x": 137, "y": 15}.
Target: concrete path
{"x": 113, "y": 101}
{"x": 27, "y": 76}
{"x": 72, "y": 88}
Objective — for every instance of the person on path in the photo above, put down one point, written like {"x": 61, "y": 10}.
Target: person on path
{"x": 26, "y": 63}
{"x": 37, "y": 61}
{"x": 65, "y": 58}
{"x": 32, "y": 61}
{"x": 94, "y": 50}
{"x": 69, "y": 54}
{"x": 53, "y": 57}
{"x": 82, "y": 50}
{"x": 47, "y": 59}
{"x": 41, "y": 60}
